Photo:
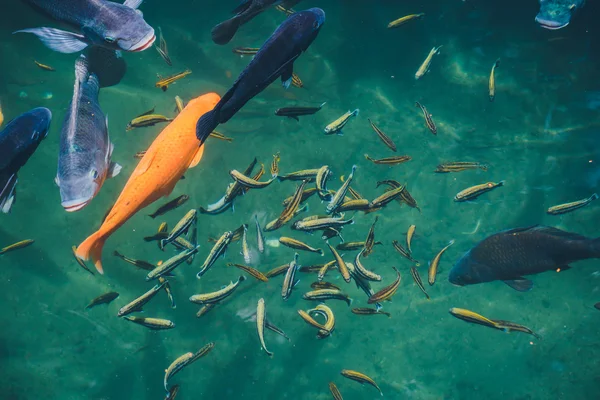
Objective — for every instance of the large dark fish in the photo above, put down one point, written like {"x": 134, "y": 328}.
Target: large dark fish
{"x": 556, "y": 14}
{"x": 18, "y": 141}
{"x": 274, "y": 59}
{"x": 510, "y": 255}
{"x": 99, "y": 22}
{"x": 85, "y": 148}
{"x": 108, "y": 65}
{"x": 247, "y": 10}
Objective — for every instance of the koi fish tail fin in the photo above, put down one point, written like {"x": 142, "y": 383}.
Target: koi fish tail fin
{"x": 91, "y": 248}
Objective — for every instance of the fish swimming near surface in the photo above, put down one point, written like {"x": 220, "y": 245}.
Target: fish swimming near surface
{"x": 274, "y": 59}
{"x": 511, "y": 255}
{"x": 170, "y": 155}
{"x": 247, "y": 10}
{"x": 556, "y": 14}
{"x": 99, "y": 23}
{"x": 84, "y": 159}
{"x": 424, "y": 68}
{"x": 18, "y": 141}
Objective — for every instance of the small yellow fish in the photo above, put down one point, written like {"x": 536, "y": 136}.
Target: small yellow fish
{"x": 568, "y": 207}
{"x": 336, "y": 126}
{"x": 424, "y": 68}
{"x": 474, "y": 191}
{"x": 251, "y": 271}
{"x": 179, "y": 104}
{"x": 16, "y": 246}
{"x": 360, "y": 377}
{"x": 334, "y": 391}
{"x": 261, "y": 316}
{"x": 369, "y": 311}
{"x": 152, "y": 323}
{"x": 217, "y": 296}
{"x": 492, "y": 81}
{"x": 147, "y": 120}
{"x": 44, "y": 66}
{"x": 387, "y": 292}
{"x": 1, "y": 116}
{"x": 428, "y": 118}
{"x": 409, "y": 235}
{"x": 245, "y": 50}
{"x": 433, "y": 266}
{"x": 401, "y": 21}
{"x": 275, "y": 165}
{"x": 296, "y": 81}
{"x": 298, "y": 245}
{"x": 164, "y": 83}
{"x": 457, "y": 166}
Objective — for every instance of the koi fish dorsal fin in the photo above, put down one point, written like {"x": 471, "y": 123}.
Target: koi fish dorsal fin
{"x": 197, "y": 157}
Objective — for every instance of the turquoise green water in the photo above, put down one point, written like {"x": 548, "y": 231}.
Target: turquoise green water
{"x": 50, "y": 347}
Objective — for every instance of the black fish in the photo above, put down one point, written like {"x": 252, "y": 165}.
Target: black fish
{"x": 509, "y": 255}
{"x": 108, "y": 65}
{"x": 247, "y": 10}
{"x": 274, "y": 59}
{"x": 18, "y": 141}
{"x": 105, "y": 298}
{"x": 295, "y": 112}
{"x": 171, "y": 205}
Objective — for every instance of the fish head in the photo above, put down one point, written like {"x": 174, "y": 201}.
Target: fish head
{"x": 80, "y": 184}
{"x": 556, "y": 14}
{"x": 307, "y": 24}
{"x": 466, "y": 271}
{"x": 123, "y": 28}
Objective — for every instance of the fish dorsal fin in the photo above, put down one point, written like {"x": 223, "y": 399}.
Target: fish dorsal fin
{"x": 133, "y": 3}
{"x": 197, "y": 157}
{"x": 517, "y": 230}
{"x": 244, "y": 5}
{"x": 559, "y": 233}
{"x": 520, "y": 284}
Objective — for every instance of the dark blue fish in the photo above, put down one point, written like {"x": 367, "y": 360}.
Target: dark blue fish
{"x": 99, "y": 22}
{"x": 556, "y": 14}
{"x": 18, "y": 141}
{"x": 108, "y": 65}
{"x": 274, "y": 59}
{"x": 84, "y": 159}
{"x": 510, "y": 255}
{"x": 224, "y": 32}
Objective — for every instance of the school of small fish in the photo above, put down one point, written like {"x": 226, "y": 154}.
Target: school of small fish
{"x": 85, "y": 162}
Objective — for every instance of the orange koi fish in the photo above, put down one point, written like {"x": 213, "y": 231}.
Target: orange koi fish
{"x": 170, "y": 155}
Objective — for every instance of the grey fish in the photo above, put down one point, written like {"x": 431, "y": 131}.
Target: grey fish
{"x": 510, "y": 255}
{"x": 99, "y": 22}
{"x": 556, "y": 14}
{"x": 85, "y": 148}
{"x": 274, "y": 59}
{"x": 18, "y": 141}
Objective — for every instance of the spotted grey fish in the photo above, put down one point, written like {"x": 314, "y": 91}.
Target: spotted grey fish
{"x": 85, "y": 149}
{"x": 98, "y": 22}
{"x": 556, "y": 14}
{"x": 274, "y": 59}
{"x": 18, "y": 141}
{"x": 510, "y": 255}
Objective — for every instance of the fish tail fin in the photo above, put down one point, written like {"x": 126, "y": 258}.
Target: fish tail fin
{"x": 497, "y": 63}
{"x": 355, "y": 112}
{"x": 81, "y": 69}
{"x": 224, "y": 32}
{"x": 594, "y": 197}
{"x": 205, "y": 125}
{"x": 7, "y": 192}
{"x": 91, "y": 248}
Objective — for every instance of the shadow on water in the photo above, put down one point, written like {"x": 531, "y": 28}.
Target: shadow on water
{"x": 33, "y": 260}
{"x": 152, "y": 368}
